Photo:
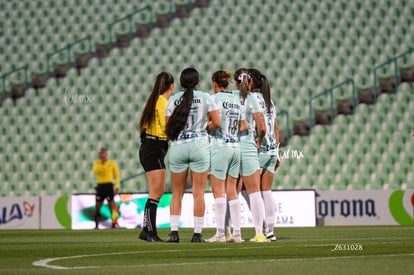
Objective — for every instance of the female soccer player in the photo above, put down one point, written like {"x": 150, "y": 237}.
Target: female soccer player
{"x": 268, "y": 153}
{"x": 225, "y": 157}
{"x": 250, "y": 142}
{"x": 186, "y": 118}
{"x": 154, "y": 147}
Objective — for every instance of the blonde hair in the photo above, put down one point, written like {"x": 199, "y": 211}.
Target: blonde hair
{"x": 242, "y": 78}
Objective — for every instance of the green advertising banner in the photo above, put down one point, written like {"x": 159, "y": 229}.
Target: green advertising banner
{"x": 384, "y": 207}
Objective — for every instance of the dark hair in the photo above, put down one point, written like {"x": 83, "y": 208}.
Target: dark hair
{"x": 261, "y": 84}
{"x": 242, "y": 77}
{"x": 162, "y": 83}
{"x": 222, "y": 78}
{"x": 189, "y": 79}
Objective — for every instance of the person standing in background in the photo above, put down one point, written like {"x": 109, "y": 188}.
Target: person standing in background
{"x": 154, "y": 147}
{"x": 106, "y": 172}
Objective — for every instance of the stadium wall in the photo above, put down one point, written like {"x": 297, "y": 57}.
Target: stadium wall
{"x": 295, "y": 208}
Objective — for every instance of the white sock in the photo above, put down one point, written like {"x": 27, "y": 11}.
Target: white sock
{"x": 220, "y": 205}
{"x": 227, "y": 219}
{"x": 270, "y": 209}
{"x": 175, "y": 221}
{"x": 257, "y": 209}
{"x": 198, "y": 224}
{"x": 234, "y": 206}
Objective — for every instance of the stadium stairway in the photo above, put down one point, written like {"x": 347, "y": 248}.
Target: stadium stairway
{"x": 41, "y": 40}
{"x": 369, "y": 150}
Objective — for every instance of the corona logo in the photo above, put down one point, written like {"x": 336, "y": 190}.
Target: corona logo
{"x": 346, "y": 208}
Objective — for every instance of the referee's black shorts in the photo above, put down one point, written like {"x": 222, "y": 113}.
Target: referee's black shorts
{"x": 105, "y": 191}
{"x": 152, "y": 153}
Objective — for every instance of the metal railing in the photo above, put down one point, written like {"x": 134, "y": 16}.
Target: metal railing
{"x": 129, "y": 17}
{"x": 330, "y": 91}
{"x": 287, "y": 121}
{"x": 14, "y": 71}
{"x": 393, "y": 60}
{"x": 68, "y": 49}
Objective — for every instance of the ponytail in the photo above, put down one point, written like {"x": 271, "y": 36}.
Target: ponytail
{"x": 242, "y": 79}
{"x": 266, "y": 93}
{"x": 261, "y": 83}
{"x": 244, "y": 86}
{"x": 162, "y": 83}
{"x": 179, "y": 117}
{"x": 189, "y": 79}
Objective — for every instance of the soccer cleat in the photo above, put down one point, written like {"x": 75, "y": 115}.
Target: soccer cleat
{"x": 260, "y": 239}
{"x": 197, "y": 238}
{"x": 173, "y": 237}
{"x": 143, "y": 235}
{"x": 216, "y": 239}
{"x": 153, "y": 238}
{"x": 227, "y": 232}
{"x": 235, "y": 239}
{"x": 271, "y": 237}
{"x": 229, "y": 236}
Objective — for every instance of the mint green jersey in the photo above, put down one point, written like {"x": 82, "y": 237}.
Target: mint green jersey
{"x": 195, "y": 129}
{"x": 230, "y": 112}
{"x": 269, "y": 143}
{"x": 250, "y": 105}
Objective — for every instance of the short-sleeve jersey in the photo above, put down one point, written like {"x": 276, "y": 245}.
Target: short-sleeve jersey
{"x": 195, "y": 128}
{"x": 249, "y": 105}
{"x": 230, "y": 112}
{"x": 158, "y": 127}
{"x": 269, "y": 143}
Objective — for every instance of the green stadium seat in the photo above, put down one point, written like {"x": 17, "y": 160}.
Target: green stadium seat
{"x": 410, "y": 180}
{"x": 298, "y": 68}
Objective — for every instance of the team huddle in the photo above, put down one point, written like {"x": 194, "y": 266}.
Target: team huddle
{"x": 229, "y": 138}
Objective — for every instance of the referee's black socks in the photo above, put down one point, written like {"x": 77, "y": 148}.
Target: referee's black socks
{"x": 150, "y": 216}
{"x": 97, "y": 218}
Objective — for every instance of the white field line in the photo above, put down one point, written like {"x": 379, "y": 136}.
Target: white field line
{"x": 46, "y": 262}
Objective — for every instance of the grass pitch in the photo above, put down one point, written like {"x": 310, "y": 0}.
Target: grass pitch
{"x": 319, "y": 250}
